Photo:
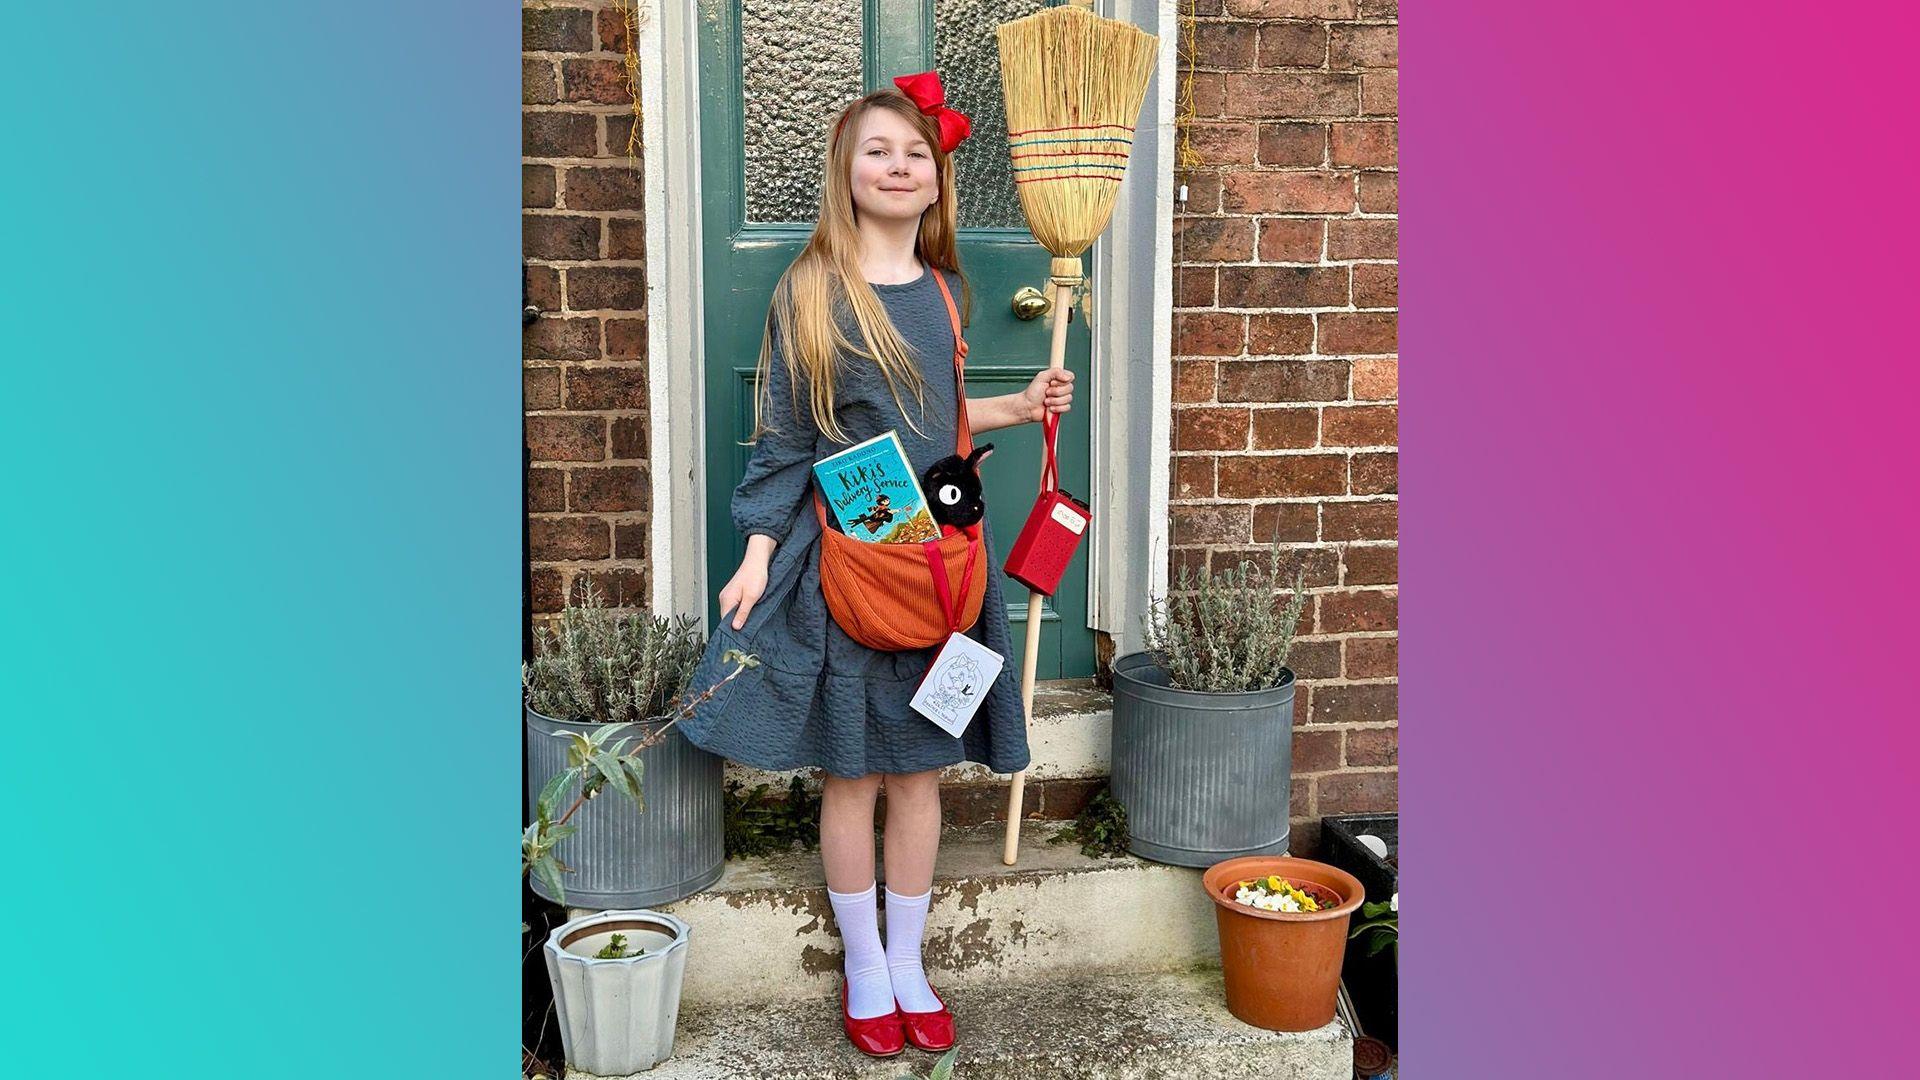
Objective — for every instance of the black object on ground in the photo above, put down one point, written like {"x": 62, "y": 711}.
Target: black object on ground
{"x": 1374, "y": 981}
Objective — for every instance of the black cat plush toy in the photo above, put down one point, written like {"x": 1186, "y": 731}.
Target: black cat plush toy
{"x": 952, "y": 485}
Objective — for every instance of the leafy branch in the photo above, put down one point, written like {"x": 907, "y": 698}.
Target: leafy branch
{"x": 1382, "y": 921}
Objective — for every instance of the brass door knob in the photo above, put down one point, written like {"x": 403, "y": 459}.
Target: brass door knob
{"x": 1030, "y": 303}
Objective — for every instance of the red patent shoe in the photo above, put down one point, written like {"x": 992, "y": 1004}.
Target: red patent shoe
{"x": 874, "y": 1036}
{"x": 929, "y": 1030}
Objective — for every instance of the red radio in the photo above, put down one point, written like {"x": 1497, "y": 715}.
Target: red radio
{"x": 1053, "y": 531}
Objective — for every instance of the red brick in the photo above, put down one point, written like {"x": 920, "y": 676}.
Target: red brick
{"x": 1192, "y": 477}
{"x": 630, "y": 438}
{"x": 1193, "y": 380}
{"x": 1376, "y": 285}
{"x": 1293, "y": 144}
{"x": 559, "y": 437}
{"x": 1366, "y": 144}
{"x": 1210, "y": 524}
{"x": 1207, "y": 93}
{"x": 1290, "y": 94}
{"x": 1375, "y": 474}
{"x": 559, "y": 237}
{"x": 1223, "y": 45}
{"x": 619, "y": 288}
{"x": 1379, "y": 193}
{"x": 1284, "y": 287}
{"x": 540, "y": 388}
{"x": 1360, "y": 425}
{"x": 1300, "y": 797}
{"x": 1376, "y": 380}
{"x": 599, "y": 82}
{"x": 546, "y": 490}
{"x": 1314, "y": 659}
{"x": 558, "y": 134}
{"x": 561, "y": 339}
{"x": 1357, "y": 703}
{"x": 1186, "y": 560}
{"x": 1288, "y": 193}
{"x": 537, "y": 185}
{"x": 611, "y": 187}
{"x": 548, "y": 589}
{"x": 1371, "y": 564}
{"x": 1358, "y": 332}
{"x": 556, "y": 30}
{"x": 614, "y": 487}
{"x": 543, "y": 288}
{"x": 1380, "y": 93}
{"x": 1203, "y": 193}
{"x": 619, "y": 587}
{"x": 613, "y": 30}
{"x": 1285, "y": 429}
{"x": 1293, "y": 44}
{"x": 1210, "y": 429}
{"x": 539, "y": 82}
{"x": 1363, "y": 238}
{"x": 632, "y": 540}
{"x": 617, "y": 139}
{"x": 1277, "y": 381}
{"x": 1315, "y": 751}
{"x": 1376, "y": 520}
{"x": 1356, "y": 793}
{"x": 1373, "y": 746}
{"x": 1371, "y": 658}
{"x": 567, "y": 539}
{"x": 1291, "y": 239}
{"x": 1286, "y": 523}
{"x": 1279, "y": 335}
{"x": 1364, "y": 47}
{"x": 1282, "y": 477}
{"x": 1346, "y": 612}
{"x": 1209, "y": 333}
{"x": 626, "y": 339}
{"x": 1213, "y": 239}
{"x": 1204, "y": 8}
{"x": 1223, "y": 144}
{"x": 1321, "y": 569}
{"x": 1291, "y": 9}
{"x": 1193, "y": 286}
{"x": 626, "y": 238}
{"x": 623, "y": 387}
{"x": 1379, "y": 9}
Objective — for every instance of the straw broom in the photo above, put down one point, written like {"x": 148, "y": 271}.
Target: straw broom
{"x": 1074, "y": 83}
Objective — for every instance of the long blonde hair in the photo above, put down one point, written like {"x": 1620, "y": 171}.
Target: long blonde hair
{"x": 825, "y": 279}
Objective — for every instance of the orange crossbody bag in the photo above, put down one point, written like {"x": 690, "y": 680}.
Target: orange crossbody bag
{"x": 908, "y": 596}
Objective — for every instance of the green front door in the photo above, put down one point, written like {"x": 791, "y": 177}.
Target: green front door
{"x": 773, "y": 75}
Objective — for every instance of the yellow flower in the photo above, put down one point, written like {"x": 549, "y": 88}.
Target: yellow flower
{"x": 1276, "y": 884}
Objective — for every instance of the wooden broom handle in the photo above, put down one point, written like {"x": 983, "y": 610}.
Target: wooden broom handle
{"x": 1030, "y": 664}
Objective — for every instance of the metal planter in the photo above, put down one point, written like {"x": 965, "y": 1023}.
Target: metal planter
{"x": 1204, "y": 777}
{"x": 617, "y": 1016}
{"x": 628, "y": 858}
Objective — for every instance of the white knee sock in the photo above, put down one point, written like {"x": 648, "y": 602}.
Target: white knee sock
{"x": 869, "y": 991}
{"x": 906, "y": 925}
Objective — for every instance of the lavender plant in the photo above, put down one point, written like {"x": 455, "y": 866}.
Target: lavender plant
{"x": 600, "y": 667}
{"x": 1226, "y": 632}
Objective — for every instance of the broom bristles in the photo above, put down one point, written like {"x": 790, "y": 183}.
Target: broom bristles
{"x": 1074, "y": 83}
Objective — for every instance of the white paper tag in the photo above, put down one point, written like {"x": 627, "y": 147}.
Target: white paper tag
{"x": 1065, "y": 516}
{"x": 956, "y": 683}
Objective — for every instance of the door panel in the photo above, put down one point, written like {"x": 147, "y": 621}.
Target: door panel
{"x": 773, "y": 75}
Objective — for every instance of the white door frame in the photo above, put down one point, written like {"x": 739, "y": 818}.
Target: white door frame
{"x": 1129, "y": 402}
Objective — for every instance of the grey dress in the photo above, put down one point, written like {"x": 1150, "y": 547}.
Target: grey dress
{"x": 819, "y": 698}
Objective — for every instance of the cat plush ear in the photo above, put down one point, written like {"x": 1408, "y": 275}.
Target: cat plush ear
{"x": 979, "y": 455}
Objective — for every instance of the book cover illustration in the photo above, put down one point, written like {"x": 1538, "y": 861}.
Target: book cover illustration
{"x": 874, "y": 494}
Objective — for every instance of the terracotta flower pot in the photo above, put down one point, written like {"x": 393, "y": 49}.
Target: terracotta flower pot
{"x": 1282, "y": 968}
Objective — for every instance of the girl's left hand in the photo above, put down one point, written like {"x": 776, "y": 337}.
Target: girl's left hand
{"x": 1050, "y": 391}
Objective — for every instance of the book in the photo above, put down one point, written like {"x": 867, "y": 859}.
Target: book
{"x": 874, "y": 494}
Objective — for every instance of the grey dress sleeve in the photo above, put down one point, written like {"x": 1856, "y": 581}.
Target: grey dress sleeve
{"x": 780, "y": 469}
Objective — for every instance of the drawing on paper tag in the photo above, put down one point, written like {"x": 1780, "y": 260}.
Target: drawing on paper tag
{"x": 956, "y": 683}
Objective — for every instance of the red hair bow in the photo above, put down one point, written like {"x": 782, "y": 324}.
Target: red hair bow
{"x": 926, "y": 92}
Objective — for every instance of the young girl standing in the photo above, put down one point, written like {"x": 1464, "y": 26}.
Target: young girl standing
{"x": 860, "y": 340}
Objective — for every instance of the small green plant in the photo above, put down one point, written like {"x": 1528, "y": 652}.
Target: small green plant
{"x": 942, "y": 1067}
{"x": 1101, "y": 828}
{"x": 757, "y": 824}
{"x": 616, "y": 949}
{"x": 1380, "y": 924}
{"x": 1226, "y": 632}
{"x": 597, "y": 666}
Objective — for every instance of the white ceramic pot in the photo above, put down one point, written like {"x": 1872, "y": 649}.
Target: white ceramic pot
{"x": 617, "y": 1016}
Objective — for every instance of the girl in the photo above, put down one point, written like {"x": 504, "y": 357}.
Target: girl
{"x": 859, "y": 340}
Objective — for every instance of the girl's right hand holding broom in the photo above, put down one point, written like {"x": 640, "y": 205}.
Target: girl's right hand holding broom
{"x": 748, "y": 582}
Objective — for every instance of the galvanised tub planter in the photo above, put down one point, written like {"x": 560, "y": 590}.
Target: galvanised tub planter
{"x": 1204, "y": 777}
{"x": 624, "y": 857}
{"x": 617, "y": 1015}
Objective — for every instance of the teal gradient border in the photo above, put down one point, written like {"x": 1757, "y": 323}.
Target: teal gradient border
{"x": 263, "y": 587}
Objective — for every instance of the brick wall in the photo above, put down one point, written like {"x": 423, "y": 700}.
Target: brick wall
{"x": 1285, "y": 367}
{"x": 584, "y": 361}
